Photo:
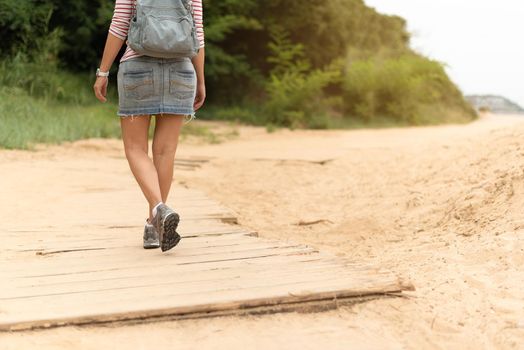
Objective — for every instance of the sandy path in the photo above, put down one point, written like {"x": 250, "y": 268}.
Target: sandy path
{"x": 442, "y": 206}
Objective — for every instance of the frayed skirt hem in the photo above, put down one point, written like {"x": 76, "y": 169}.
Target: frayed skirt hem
{"x": 187, "y": 116}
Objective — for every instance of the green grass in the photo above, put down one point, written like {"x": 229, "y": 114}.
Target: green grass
{"x": 25, "y": 121}
{"x": 207, "y": 134}
{"x": 40, "y": 103}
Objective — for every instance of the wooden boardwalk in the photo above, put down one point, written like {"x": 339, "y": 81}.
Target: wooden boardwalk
{"x": 88, "y": 266}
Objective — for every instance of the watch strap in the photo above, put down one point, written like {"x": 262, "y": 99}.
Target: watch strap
{"x": 99, "y": 73}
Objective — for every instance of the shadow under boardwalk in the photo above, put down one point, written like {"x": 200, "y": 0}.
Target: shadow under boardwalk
{"x": 89, "y": 267}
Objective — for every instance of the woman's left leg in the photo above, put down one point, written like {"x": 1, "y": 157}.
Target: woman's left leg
{"x": 165, "y": 142}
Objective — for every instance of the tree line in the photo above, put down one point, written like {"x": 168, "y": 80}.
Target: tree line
{"x": 295, "y": 63}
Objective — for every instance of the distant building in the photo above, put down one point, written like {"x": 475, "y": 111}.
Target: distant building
{"x": 494, "y": 104}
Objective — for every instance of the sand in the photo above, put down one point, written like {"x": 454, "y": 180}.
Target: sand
{"x": 442, "y": 206}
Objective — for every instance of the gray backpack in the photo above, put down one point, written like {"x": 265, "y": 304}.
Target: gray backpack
{"x": 163, "y": 28}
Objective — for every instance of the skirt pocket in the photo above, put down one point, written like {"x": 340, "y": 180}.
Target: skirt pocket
{"x": 138, "y": 84}
{"x": 182, "y": 81}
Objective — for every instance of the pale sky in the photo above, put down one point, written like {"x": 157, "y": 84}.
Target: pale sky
{"x": 481, "y": 41}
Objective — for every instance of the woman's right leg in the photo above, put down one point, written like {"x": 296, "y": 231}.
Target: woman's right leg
{"x": 135, "y": 137}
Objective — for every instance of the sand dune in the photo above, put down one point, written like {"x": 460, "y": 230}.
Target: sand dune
{"x": 442, "y": 206}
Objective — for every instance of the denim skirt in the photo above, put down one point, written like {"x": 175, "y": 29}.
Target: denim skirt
{"x": 152, "y": 85}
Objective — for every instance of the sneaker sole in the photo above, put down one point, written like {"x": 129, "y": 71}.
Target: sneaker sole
{"x": 151, "y": 245}
{"x": 169, "y": 238}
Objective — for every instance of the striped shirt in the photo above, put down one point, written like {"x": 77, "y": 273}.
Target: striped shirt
{"x": 122, "y": 18}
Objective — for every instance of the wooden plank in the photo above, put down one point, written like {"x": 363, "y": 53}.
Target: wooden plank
{"x": 178, "y": 279}
{"x": 190, "y": 304}
{"x": 220, "y": 280}
{"x": 264, "y": 262}
{"x": 132, "y": 241}
{"x": 312, "y": 302}
{"x": 49, "y": 270}
{"x": 126, "y": 296}
{"x": 122, "y": 233}
{"x": 212, "y": 226}
{"x": 177, "y": 273}
{"x": 127, "y": 242}
{"x": 131, "y": 244}
{"x": 203, "y": 252}
{"x": 55, "y": 264}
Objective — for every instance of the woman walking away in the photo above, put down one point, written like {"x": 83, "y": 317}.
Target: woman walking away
{"x": 170, "y": 88}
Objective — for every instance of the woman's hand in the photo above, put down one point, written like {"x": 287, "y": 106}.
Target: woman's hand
{"x": 100, "y": 88}
{"x": 200, "y": 95}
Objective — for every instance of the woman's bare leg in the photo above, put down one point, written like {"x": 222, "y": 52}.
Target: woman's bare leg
{"x": 165, "y": 142}
{"x": 135, "y": 137}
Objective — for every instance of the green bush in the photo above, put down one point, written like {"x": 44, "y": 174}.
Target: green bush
{"x": 295, "y": 92}
{"x": 408, "y": 89}
{"x": 22, "y": 24}
{"x": 247, "y": 115}
{"x": 46, "y": 82}
{"x": 39, "y": 74}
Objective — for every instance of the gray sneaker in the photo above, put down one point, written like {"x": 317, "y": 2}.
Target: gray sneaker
{"x": 165, "y": 223}
{"x": 150, "y": 237}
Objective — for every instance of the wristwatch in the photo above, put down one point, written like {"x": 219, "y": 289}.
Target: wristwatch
{"x": 99, "y": 73}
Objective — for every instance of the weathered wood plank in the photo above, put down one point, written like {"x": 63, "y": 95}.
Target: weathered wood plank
{"x": 177, "y": 273}
{"x": 189, "y": 304}
{"x": 78, "y": 263}
{"x": 125, "y": 242}
{"x": 177, "y": 279}
{"x": 128, "y": 295}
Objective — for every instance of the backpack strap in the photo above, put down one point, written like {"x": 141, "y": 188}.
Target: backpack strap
{"x": 188, "y": 5}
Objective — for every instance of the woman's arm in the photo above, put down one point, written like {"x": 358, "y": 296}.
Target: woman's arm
{"x": 198, "y": 60}
{"x": 115, "y": 39}
{"x": 198, "y": 63}
{"x": 113, "y": 46}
